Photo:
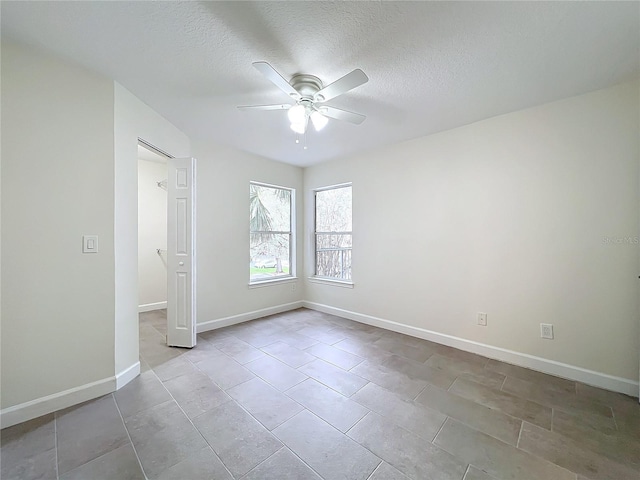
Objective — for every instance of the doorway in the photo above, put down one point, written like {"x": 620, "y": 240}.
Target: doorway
{"x": 166, "y": 248}
{"x": 152, "y": 252}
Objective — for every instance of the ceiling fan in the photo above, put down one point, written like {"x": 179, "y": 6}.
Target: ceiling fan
{"x": 309, "y": 95}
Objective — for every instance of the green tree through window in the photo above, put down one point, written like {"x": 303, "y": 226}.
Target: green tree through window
{"x": 270, "y": 213}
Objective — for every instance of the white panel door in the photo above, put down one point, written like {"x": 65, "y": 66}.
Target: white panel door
{"x": 181, "y": 253}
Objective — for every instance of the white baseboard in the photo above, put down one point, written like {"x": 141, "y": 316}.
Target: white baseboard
{"x": 244, "y": 317}
{"x": 51, "y": 403}
{"x": 149, "y": 307}
{"x": 73, "y": 396}
{"x": 597, "y": 379}
{"x": 127, "y": 375}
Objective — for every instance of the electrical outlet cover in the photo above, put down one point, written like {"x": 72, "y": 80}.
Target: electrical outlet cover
{"x": 546, "y": 330}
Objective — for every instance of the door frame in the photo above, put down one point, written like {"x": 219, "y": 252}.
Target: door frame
{"x": 171, "y": 302}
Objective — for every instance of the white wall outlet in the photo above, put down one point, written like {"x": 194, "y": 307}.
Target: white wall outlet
{"x": 546, "y": 330}
{"x": 293, "y": 287}
{"x": 89, "y": 244}
{"x": 482, "y": 319}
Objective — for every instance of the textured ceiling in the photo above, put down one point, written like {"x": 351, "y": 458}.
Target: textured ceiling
{"x": 432, "y": 65}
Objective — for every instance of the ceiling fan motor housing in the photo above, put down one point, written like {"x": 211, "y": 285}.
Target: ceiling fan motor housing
{"x": 307, "y": 86}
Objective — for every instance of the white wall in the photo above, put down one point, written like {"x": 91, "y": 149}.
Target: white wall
{"x": 69, "y": 149}
{"x": 223, "y": 235}
{"x": 57, "y": 185}
{"x": 507, "y": 216}
{"x": 152, "y": 235}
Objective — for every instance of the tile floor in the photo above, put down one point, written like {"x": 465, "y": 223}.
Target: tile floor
{"x": 305, "y": 395}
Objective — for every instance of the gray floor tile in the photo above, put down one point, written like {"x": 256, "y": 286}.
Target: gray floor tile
{"x": 120, "y": 464}
{"x": 203, "y": 351}
{"x": 88, "y": 431}
{"x": 225, "y": 371}
{"x": 141, "y": 393}
{"x": 409, "y": 340}
{"x": 174, "y": 368}
{"x": 450, "y": 352}
{"x": 626, "y": 410}
{"x": 467, "y": 370}
{"x": 420, "y": 420}
{"x": 328, "y": 404}
{"x": 238, "y": 439}
{"x": 290, "y": 355}
{"x": 363, "y": 348}
{"x": 557, "y": 398}
{"x": 387, "y": 472}
{"x": 510, "y": 404}
{"x": 618, "y": 401}
{"x": 27, "y": 450}
{"x": 495, "y": 457}
{"x": 628, "y": 424}
{"x": 540, "y": 378}
{"x": 416, "y": 458}
{"x": 255, "y": 338}
{"x": 153, "y": 347}
{"x": 325, "y": 449}
{"x": 608, "y": 443}
{"x": 196, "y": 393}
{"x": 419, "y": 354}
{"x": 163, "y": 436}
{"x": 492, "y": 422}
{"x": 144, "y": 366}
{"x": 212, "y": 334}
{"x": 240, "y": 351}
{"x": 269, "y": 406}
{"x": 154, "y": 316}
{"x": 282, "y": 465}
{"x": 419, "y": 371}
{"x": 40, "y": 466}
{"x": 295, "y": 339}
{"x": 592, "y": 431}
{"x": 365, "y": 334}
{"x": 325, "y": 335}
{"x": 342, "y": 382}
{"x": 598, "y": 423}
{"x": 393, "y": 380}
{"x": 276, "y": 373}
{"x": 476, "y": 474}
{"x": 570, "y": 455}
{"x": 335, "y": 356}
{"x": 203, "y": 464}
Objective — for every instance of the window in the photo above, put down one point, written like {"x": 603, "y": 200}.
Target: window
{"x": 270, "y": 214}
{"x": 333, "y": 232}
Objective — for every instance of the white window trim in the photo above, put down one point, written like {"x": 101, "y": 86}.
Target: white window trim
{"x": 273, "y": 282}
{"x": 291, "y": 277}
{"x": 331, "y": 281}
{"x": 317, "y": 278}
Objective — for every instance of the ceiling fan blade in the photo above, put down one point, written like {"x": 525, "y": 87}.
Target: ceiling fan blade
{"x": 268, "y": 71}
{"x": 338, "y": 114}
{"x": 342, "y": 85}
{"x": 284, "y": 106}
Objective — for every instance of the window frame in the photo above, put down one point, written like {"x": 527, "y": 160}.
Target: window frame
{"x": 284, "y": 278}
{"x": 315, "y": 278}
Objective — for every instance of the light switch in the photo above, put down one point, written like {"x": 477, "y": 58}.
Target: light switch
{"x": 89, "y": 244}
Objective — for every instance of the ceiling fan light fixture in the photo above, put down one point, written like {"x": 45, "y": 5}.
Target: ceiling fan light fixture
{"x": 319, "y": 121}
{"x": 300, "y": 127}
{"x": 297, "y": 115}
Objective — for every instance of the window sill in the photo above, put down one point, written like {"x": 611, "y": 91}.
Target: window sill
{"x": 331, "y": 281}
{"x": 275, "y": 281}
